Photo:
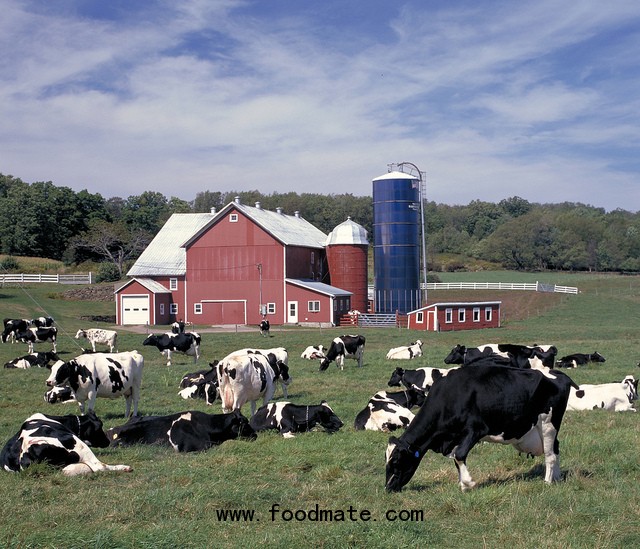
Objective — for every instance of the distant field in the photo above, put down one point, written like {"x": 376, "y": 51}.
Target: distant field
{"x": 172, "y": 500}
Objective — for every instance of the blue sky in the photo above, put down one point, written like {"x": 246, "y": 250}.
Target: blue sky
{"x": 491, "y": 99}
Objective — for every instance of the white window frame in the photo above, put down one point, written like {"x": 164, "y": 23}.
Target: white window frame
{"x": 173, "y": 284}
{"x": 271, "y": 308}
{"x": 197, "y": 308}
{"x": 173, "y": 309}
{"x": 462, "y": 315}
{"x": 313, "y": 306}
{"x": 420, "y": 317}
{"x": 476, "y": 314}
{"x": 161, "y": 309}
{"x": 488, "y": 314}
{"x": 233, "y": 218}
{"x": 448, "y": 316}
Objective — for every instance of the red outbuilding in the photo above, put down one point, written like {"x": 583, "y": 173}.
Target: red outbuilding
{"x": 444, "y": 317}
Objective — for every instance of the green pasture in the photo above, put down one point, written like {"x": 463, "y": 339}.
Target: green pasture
{"x": 175, "y": 500}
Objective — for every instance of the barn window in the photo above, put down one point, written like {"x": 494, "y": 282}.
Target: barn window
{"x": 271, "y": 308}
{"x": 197, "y": 308}
{"x": 314, "y": 306}
{"x": 173, "y": 309}
{"x": 476, "y": 314}
{"x": 173, "y": 284}
{"x": 488, "y": 311}
{"x": 461, "y": 315}
{"x": 420, "y": 317}
{"x": 448, "y": 316}
{"x": 161, "y": 309}
{"x": 233, "y": 218}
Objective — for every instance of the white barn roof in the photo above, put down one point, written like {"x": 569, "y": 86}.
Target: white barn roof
{"x": 319, "y": 287}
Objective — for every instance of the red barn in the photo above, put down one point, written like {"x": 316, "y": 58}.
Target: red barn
{"x": 235, "y": 266}
{"x": 444, "y": 317}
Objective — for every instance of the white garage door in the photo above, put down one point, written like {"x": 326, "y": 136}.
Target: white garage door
{"x": 135, "y": 309}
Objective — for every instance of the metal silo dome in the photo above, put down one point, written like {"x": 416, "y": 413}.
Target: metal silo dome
{"x": 348, "y": 232}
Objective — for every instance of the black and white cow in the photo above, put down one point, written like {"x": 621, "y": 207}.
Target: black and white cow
{"x": 178, "y": 327}
{"x": 187, "y": 343}
{"x": 101, "y": 375}
{"x": 579, "y": 359}
{"x": 12, "y": 326}
{"x": 406, "y": 352}
{"x": 275, "y": 356}
{"x": 387, "y": 411}
{"x": 98, "y": 335}
{"x": 43, "y": 322}
{"x": 503, "y": 404}
{"x": 420, "y": 379}
{"x": 264, "y": 327}
{"x": 247, "y": 378}
{"x": 519, "y": 356}
{"x": 59, "y": 394}
{"x": 346, "y": 346}
{"x": 190, "y": 431}
{"x": 33, "y": 360}
{"x": 289, "y": 419}
{"x": 617, "y": 397}
{"x": 314, "y": 352}
{"x": 201, "y": 384}
{"x": 61, "y": 441}
{"x": 38, "y": 335}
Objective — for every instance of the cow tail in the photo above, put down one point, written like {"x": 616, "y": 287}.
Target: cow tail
{"x": 226, "y": 394}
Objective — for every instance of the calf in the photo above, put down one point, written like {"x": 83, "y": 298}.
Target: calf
{"x": 12, "y": 326}
{"x": 521, "y": 407}
{"x": 31, "y": 336}
{"x": 264, "y": 328}
{"x": 579, "y": 359}
{"x": 59, "y": 394}
{"x": 201, "y": 384}
{"x": 42, "y": 322}
{"x": 61, "y": 441}
{"x": 617, "y": 397}
{"x": 313, "y": 352}
{"x": 98, "y": 335}
{"x": 420, "y": 379}
{"x": 185, "y": 431}
{"x": 187, "y": 343}
{"x": 33, "y": 360}
{"x": 289, "y": 418}
{"x": 349, "y": 346}
{"x": 101, "y": 375}
{"x": 407, "y": 352}
{"x": 247, "y": 378}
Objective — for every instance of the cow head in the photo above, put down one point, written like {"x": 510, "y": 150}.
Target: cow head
{"x": 240, "y": 426}
{"x": 396, "y": 378}
{"x": 328, "y": 419}
{"x": 60, "y": 373}
{"x": 81, "y": 333}
{"x": 456, "y": 356}
{"x": 59, "y": 394}
{"x": 597, "y": 357}
{"x": 92, "y": 431}
{"x": 151, "y": 340}
{"x": 402, "y": 462}
{"x": 631, "y": 387}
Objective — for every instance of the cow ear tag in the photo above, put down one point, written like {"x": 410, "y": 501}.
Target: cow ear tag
{"x": 417, "y": 454}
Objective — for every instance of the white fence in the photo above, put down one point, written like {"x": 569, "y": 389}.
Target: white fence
{"x": 51, "y": 279}
{"x": 534, "y": 287}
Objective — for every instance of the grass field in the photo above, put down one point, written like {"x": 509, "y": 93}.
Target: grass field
{"x": 173, "y": 500}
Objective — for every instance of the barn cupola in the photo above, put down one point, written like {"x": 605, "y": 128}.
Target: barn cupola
{"x": 237, "y": 200}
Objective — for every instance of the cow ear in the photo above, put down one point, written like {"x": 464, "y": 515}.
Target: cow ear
{"x": 394, "y": 440}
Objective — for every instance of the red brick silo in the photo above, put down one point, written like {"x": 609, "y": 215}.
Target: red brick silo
{"x": 347, "y": 257}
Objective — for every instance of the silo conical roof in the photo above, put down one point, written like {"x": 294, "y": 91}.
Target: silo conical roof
{"x": 348, "y": 232}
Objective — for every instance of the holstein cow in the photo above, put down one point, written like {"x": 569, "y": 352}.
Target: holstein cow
{"x": 289, "y": 418}
{"x": 519, "y": 356}
{"x": 38, "y": 335}
{"x": 185, "y": 431}
{"x": 579, "y": 359}
{"x": 201, "y": 384}
{"x": 314, "y": 352}
{"x": 98, "y": 335}
{"x": 274, "y": 356}
{"x": 61, "y": 441}
{"x": 346, "y": 346}
{"x": 521, "y": 407}
{"x": 264, "y": 327}
{"x": 101, "y": 375}
{"x": 246, "y": 378}
{"x": 59, "y": 394}
{"x": 33, "y": 360}
{"x": 617, "y": 397}
{"x": 407, "y": 352}
{"x": 187, "y": 343}
{"x": 42, "y": 322}
{"x": 13, "y": 326}
{"x": 388, "y": 411}
{"x": 421, "y": 378}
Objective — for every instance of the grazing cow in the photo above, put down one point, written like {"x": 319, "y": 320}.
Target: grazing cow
{"x": 289, "y": 418}
{"x": 579, "y": 359}
{"x": 617, "y": 397}
{"x": 407, "y": 352}
{"x": 264, "y": 328}
{"x": 519, "y": 356}
{"x": 187, "y": 343}
{"x": 59, "y": 394}
{"x": 521, "y": 407}
{"x": 190, "y": 431}
{"x": 421, "y": 378}
{"x": 98, "y": 335}
{"x": 42, "y": 322}
{"x": 31, "y": 336}
{"x": 274, "y": 356}
{"x": 346, "y": 346}
{"x": 61, "y": 441}
{"x": 178, "y": 327}
{"x": 12, "y": 326}
{"x": 246, "y": 378}
{"x": 314, "y": 352}
{"x": 33, "y": 360}
{"x": 101, "y": 375}
{"x": 201, "y": 384}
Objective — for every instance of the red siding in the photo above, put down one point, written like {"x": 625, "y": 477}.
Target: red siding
{"x": 349, "y": 266}
{"x": 455, "y": 323}
{"x": 302, "y": 296}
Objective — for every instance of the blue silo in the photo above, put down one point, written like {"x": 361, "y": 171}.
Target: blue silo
{"x": 396, "y": 252}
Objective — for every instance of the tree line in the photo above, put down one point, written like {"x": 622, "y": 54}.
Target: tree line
{"x": 44, "y": 220}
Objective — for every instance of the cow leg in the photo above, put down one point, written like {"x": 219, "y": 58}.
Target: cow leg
{"x": 459, "y": 454}
{"x": 465, "y": 481}
{"x": 253, "y": 407}
{"x": 168, "y": 354}
{"x": 549, "y": 435}
{"x": 284, "y": 390}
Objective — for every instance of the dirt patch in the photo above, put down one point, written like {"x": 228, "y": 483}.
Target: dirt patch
{"x": 95, "y": 292}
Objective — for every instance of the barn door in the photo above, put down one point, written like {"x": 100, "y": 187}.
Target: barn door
{"x": 292, "y": 312}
